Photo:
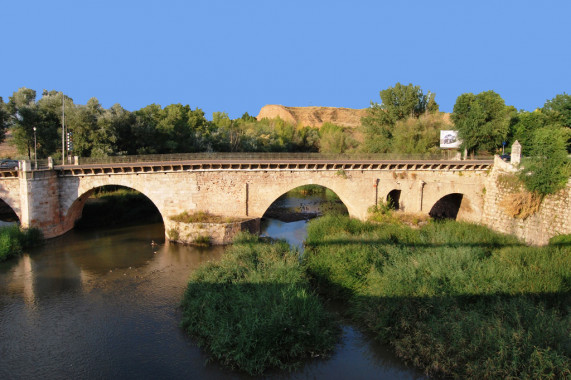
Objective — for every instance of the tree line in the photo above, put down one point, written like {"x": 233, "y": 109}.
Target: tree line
{"x": 405, "y": 121}
{"x": 176, "y": 128}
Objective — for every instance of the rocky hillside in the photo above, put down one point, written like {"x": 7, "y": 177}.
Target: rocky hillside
{"x": 314, "y": 116}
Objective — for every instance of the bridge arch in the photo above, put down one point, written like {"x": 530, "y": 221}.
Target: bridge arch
{"x": 450, "y": 206}
{"x": 8, "y": 213}
{"x": 393, "y": 199}
{"x": 298, "y": 206}
{"x": 75, "y": 208}
{"x": 273, "y": 196}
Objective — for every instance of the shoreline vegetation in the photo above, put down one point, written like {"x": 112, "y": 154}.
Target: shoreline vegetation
{"x": 455, "y": 299}
{"x": 13, "y": 240}
{"x": 451, "y": 298}
{"x": 254, "y": 310}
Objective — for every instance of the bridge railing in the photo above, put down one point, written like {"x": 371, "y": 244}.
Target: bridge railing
{"x": 266, "y": 157}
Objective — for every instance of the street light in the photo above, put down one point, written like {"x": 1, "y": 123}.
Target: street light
{"x": 35, "y": 150}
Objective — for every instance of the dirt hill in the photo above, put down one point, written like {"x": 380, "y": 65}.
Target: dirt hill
{"x": 314, "y": 116}
{"x": 6, "y": 147}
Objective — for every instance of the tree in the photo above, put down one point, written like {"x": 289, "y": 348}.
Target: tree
{"x": 333, "y": 139}
{"x": 4, "y": 116}
{"x": 24, "y": 117}
{"x": 418, "y": 135}
{"x": 397, "y": 103}
{"x": 146, "y": 138}
{"x": 482, "y": 121}
{"x": 49, "y": 125}
{"x": 560, "y": 108}
{"x": 548, "y": 168}
{"x": 523, "y": 126}
{"x": 82, "y": 123}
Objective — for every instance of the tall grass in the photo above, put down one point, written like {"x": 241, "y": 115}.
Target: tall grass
{"x": 254, "y": 309}
{"x": 453, "y": 298}
{"x": 14, "y": 240}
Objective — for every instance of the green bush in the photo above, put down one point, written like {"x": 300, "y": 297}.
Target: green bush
{"x": 560, "y": 240}
{"x": 548, "y": 169}
{"x": 14, "y": 240}
{"x": 455, "y": 299}
{"x": 254, "y": 310}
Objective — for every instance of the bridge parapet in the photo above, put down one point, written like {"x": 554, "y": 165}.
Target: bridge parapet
{"x": 271, "y": 165}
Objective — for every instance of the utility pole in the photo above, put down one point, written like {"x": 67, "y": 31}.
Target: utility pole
{"x": 63, "y": 153}
{"x": 35, "y": 150}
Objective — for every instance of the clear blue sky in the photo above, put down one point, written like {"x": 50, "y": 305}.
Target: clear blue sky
{"x": 237, "y": 56}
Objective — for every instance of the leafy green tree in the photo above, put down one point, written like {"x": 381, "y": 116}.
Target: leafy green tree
{"x": 49, "y": 126}
{"x": 482, "y": 121}
{"x": 559, "y": 111}
{"x": 523, "y": 126}
{"x": 560, "y": 108}
{"x": 246, "y": 117}
{"x": 82, "y": 123}
{"x": 397, "y": 103}
{"x": 334, "y": 139}
{"x": 548, "y": 168}
{"x": 146, "y": 139}
{"x": 118, "y": 123}
{"x": 418, "y": 135}
{"x": 4, "y": 117}
{"x": 24, "y": 117}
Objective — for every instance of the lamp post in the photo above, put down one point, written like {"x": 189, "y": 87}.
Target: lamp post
{"x": 35, "y": 150}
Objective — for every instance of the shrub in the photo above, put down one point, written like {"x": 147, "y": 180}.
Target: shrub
{"x": 560, "y": 240}
{"x": 14, "y": 240}
{"x": 202, "y": 217}
{"x": 202, "y": 240}
{"x": 548, "y": 169}
{"x": 254, "y": 310}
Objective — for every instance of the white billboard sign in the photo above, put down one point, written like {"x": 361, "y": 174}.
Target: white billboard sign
{"x": 449, "y": 140}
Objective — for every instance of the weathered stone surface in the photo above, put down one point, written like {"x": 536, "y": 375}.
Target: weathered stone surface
{"x": 54, "y": 203}
{"x": 217, "y": 233}
{"x": 553, "y": 218}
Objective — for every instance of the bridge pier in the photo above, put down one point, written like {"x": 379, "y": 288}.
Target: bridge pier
{"x": 40, "y": 201}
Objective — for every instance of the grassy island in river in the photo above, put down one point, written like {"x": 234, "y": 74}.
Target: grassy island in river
{"x": 255, "y": 310}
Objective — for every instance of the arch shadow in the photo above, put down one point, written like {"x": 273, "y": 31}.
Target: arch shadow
{"x": 7, "y": 214}
{"x": 447, "y": 207}
{"x": 393, "y": 199}
{"x": 124, "y": 209}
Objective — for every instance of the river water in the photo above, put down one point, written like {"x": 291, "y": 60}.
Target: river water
{"x": 103, "y": 303}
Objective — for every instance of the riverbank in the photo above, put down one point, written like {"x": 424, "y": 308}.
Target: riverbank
{"x": 13, "y": 240}
{"x": 454, "y": 299}
{"x": 254, "y": 309}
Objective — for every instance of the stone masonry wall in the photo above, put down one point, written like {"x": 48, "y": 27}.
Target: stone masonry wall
{"x": 553, "y": 217}
{"x": 219, "y": 233}
{"x": 10, "y": 193}
{"x": 55, "y": 203}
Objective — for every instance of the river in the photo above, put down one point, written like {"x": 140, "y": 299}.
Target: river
{"x": 103, "y": 303}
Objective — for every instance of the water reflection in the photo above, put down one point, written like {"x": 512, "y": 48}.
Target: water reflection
{"x": 293, "y": 232}
{"x": 104, "y": 304}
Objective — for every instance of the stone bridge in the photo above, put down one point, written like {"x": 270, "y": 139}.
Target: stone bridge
{"x": 53, "y": 199}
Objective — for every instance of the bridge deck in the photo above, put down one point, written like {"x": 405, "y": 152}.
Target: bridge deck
{"x": 271, "y": 165}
